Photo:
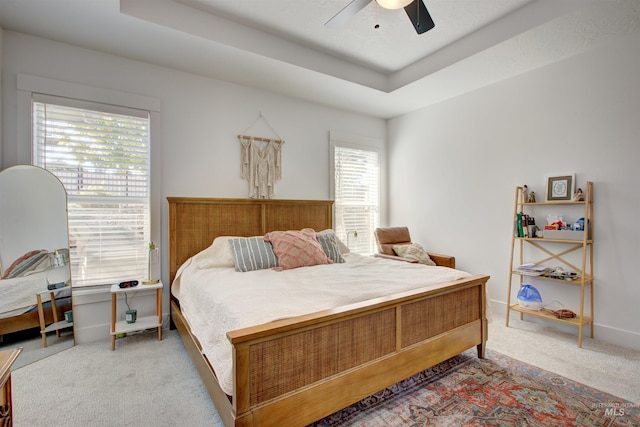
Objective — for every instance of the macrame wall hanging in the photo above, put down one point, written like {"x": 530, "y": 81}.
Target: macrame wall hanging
{"x": 261, "y": 161}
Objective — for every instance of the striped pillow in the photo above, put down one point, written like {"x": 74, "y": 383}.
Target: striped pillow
{"x": 327, "y": 240}
{"x": 28, "y": 263}
{"x": 252, "y": 253}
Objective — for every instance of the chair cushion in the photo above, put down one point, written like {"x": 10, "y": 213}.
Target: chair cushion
{"x": 413, "y": 251}
{"x": 387, "y": 237}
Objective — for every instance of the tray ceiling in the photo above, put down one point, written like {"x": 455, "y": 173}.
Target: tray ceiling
{"x": 283, "y": 46}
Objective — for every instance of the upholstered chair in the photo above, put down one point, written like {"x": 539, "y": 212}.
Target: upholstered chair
{"x": 386, "y": 238}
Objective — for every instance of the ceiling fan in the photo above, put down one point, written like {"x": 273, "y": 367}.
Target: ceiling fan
{"x": 415, "y": 9}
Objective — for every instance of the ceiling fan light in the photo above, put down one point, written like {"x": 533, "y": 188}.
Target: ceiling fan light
{"x": 394, "y": 4}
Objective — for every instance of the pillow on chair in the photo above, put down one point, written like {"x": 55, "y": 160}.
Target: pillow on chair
{"x": 413, "y": 251}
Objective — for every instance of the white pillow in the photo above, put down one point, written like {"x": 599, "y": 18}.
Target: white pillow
{"x": 219, "y": 254}
{"x": 413, "y": 251}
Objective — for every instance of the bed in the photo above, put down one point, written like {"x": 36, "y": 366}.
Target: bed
{"x": 299, "y": 369}
{"x": 18, "y": 302}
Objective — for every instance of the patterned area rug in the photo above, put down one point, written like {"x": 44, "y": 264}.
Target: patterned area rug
{"x": 496, "y": 391}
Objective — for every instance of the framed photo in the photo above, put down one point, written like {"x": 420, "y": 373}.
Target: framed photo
{"x": 560, "y": 187}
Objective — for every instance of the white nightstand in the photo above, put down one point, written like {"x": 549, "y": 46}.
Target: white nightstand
{"x": 142, "y": 323}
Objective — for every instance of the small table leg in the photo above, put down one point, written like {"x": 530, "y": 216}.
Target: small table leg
{"x": 43, "y": 334}
{"x": 54, "y": 311}
{"x": 159, "y": 311}
{"x": 113, "y": 322}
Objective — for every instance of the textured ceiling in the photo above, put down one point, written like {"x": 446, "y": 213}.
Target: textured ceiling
{"x": 282, "y": 46}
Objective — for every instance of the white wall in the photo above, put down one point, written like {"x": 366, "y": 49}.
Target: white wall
{"x": 1, "y": 37}
{"x": 200, "y": 120}
{"x": 454, "y": 167}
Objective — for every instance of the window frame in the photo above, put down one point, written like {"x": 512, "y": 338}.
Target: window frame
{"x": 341, "y": 139}
{"x": 28, "y": 85}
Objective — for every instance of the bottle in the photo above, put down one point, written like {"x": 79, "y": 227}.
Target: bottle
{"x": 58, "y": 260}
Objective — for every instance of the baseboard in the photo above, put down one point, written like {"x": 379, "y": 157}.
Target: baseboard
{"x": 605, "y": 333}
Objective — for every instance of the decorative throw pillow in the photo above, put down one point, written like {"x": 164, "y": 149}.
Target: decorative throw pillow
{"x": 328, "y": 241}
{"x": 413, "y": 251}
{"x": 31, "y": 262}
{"x": 297, "y": 248}
{"x": 219, "y": 254}
{"x": 341, "y": 246}
{"x": 252, "y": 253}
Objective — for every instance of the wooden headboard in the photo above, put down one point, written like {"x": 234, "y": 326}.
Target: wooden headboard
{"x": 195, "y": 222}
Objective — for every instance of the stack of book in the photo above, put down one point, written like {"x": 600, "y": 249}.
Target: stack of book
{"x": 524, "y": 225}
{"x": 532, "y": 269}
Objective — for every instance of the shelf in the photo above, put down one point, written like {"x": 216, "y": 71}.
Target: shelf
{"x": 142, "y": 323}
{"x": 575, "y": 254}
{"x": 563, "y": 202}
{"x": 57, "y": 326}
{"x": 115, "y": 289}
{"x": 548, "y": 315}
{"x": 546, "y": 239}
{"x": 578, "y": 281}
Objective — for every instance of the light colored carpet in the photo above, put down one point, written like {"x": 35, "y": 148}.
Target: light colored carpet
{"x": 606, "y": 367}
{"x": 32, "y": 349}
{"x": 145, "y": 382}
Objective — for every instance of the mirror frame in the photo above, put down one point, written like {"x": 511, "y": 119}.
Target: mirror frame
{"x": 36, "y": 209}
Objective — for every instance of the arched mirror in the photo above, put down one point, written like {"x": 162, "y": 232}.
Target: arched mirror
{"x": 35, "y": 279}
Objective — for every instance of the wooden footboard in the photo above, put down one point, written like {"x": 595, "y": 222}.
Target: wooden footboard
{"x": 296, "y": 371}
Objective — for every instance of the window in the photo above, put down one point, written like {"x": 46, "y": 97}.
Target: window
{"x": 357, "y": 196}
{"x": 101, "y": 155}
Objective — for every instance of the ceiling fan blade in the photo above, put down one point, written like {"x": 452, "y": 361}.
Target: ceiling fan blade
{"x": 419, "y": 16}
{"x": 347, "y": 13}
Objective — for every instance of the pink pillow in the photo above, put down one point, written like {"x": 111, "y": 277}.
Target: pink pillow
{"x": 296, "y": 248}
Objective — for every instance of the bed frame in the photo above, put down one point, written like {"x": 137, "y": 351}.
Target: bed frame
{"x": 299, "y": 370}
{"x": 30, "y": 319}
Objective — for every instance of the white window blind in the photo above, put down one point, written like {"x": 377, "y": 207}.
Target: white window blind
{"x": 357, "y": 198}
{"x": 101, "y": 155}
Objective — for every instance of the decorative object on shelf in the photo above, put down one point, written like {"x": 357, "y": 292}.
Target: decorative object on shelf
{"x": 525, "y": 193}
{"x": 261, "y": 162}
{"x": 529, "y": 297}
{"x": 560, "y": 188}
{"x": 578, "y": 196}
{"x": 532, "y": 197}
{"x": 150, "y": 281}
{"x": 131, "y": 314}
{"x": 564, "y": 314}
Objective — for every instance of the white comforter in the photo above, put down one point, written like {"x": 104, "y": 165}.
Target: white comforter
{"x": 18, "y": 295}
{"x": 217, "y": 300}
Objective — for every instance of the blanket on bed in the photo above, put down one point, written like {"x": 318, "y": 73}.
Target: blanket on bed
{"x": 217, "y": 300}
{"x": 18, "y": 295}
